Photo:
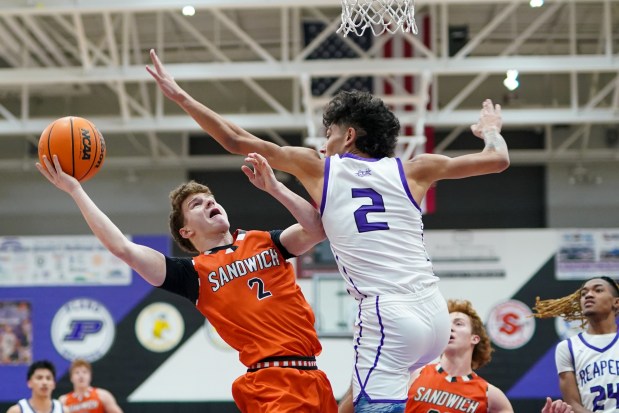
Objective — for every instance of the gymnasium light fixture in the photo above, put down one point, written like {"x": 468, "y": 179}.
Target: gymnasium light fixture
{"x": 189, "y": 11}
{"x": 511, "y": 80}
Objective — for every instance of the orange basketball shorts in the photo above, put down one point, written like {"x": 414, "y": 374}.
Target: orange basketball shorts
{"x": 284, "y": 390}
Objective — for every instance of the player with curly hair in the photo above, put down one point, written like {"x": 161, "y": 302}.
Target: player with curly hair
{"x": 588, "y": 363}
{"x": 370, "y": 208}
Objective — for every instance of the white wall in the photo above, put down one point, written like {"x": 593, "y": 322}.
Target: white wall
{"x": 588, "y": 204}
{"x": 29, "y": 205}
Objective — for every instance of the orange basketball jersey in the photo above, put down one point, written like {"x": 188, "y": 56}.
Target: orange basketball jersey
{"x": 88, "y": 403}
{"x": 248, "y": 292}
{"x": 435, "y": 391}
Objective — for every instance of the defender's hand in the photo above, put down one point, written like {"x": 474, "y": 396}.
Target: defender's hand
{"x": 262, "y": 175}
{"x": 489, "y": 119}
{"x": 164, "y": 80}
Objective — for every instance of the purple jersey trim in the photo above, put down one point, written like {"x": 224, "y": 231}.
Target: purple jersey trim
{"x": 382, "y": 341}
{"x": 346, "y": 272}
{"x": 360, "y": 158}
{"x": 405, "y": 183}
{"x": 600, "y": 350}
{"x": 367, "y": 399}
{"x": 571, "y": 349}
{"x": 356, "y": 346}
{"x": 325, "y": 185}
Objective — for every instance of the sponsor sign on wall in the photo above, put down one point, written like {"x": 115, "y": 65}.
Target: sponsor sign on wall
{"x": 510, "y": 324}
{"x": 67, "y": 297}
{"x": 60, "y": 260}
{"x": 159, "y": 327}
{"x": 583, "y": 254}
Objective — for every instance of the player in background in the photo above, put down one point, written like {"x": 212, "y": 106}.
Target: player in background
{"x": 42, "y": 381}
{"x": 451, "y": 385}
{"x": 369, "y": 202}
{"x": 84, "y": 398}
{"x": 588, "y": 363}
{"x": 241, "y": 282}
{"x": 468, "y": 349}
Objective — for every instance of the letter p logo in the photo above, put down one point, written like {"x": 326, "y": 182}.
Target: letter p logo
{"x": 81, "y": 328}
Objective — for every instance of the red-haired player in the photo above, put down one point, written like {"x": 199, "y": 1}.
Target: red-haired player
{"x": 84, "y": 398}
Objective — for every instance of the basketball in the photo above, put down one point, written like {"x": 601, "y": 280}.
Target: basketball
{"x": 80, "y": 147}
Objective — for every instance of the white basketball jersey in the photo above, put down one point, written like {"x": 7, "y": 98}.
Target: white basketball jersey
{"x": 596, "y": 367}
{"x": 26, "y": 408}
{"x": 374, "y": 227}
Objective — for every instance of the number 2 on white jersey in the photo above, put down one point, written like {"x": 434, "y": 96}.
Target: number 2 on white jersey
{"x": 361, "y": 213}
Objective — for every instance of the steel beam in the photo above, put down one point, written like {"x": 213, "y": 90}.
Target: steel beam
{"x": 316, "y": 68}
{"x": 98, "y": 6}
{"x": 297, "y": 122}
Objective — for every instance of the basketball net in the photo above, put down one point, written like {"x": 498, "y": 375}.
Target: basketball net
{"x": 378, "y": 15}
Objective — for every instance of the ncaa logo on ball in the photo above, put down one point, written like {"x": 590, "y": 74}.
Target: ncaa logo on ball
{"x": 511, "y": 325}
{"x": 83, "y": 328}
{"x": 86, "y": 143}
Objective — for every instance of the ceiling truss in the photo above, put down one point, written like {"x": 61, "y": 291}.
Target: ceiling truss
{"x": 250, "y": 60}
